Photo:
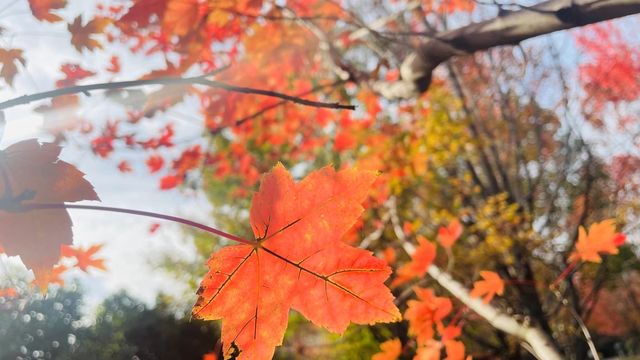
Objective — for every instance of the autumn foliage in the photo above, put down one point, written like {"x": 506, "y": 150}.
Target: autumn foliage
{"x": 506, "y": 194}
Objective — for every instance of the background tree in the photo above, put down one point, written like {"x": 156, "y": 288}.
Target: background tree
{"x": 123, "y": 328}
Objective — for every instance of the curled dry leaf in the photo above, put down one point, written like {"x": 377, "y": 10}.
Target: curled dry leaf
{"x": 298, "y": 261}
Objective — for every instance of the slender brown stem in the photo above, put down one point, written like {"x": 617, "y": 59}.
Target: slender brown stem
{"x": 209, "y": 229}
{"x": 201, "y": 80}
{"x": 563, "y": 275}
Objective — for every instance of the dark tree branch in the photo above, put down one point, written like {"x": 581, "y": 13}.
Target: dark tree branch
{"x": 198, "y": 80}
{"x": 244, "y": 119}
{"x": 508, "y": 29}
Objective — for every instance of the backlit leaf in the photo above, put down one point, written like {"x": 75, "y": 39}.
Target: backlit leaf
{"x": 298, "y": 261}
{"x": 32, "y": 173}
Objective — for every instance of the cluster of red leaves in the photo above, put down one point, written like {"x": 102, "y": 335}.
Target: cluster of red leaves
{"x": 426, "y": 316}
{"x": 188, "y": 160}
{"x": 84, "y": 260}
{"x": 73, "y": 73}
{"x": 611, "y": 75}
{"x": 425, "y": 252}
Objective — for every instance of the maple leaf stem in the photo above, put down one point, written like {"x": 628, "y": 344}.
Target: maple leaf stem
{"x": 209, "y": 229}
{"x": 199, "y": 80}
{"x": 563, "y": 275}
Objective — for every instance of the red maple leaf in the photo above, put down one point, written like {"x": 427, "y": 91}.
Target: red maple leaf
{"x": 601, "y": 239}
{"x": 82, "y": 35}
{"x": 490, "y": 285}
{"x": 447, "y": 236}
{"x": 142, "y": 11}
{"x": 455, "y": 350}
{"x": 124, "y": 167}
{"x": 420, "y": 261}
{"x": 102, "y": 146}
{"x": 169, "y": 182}
{"x": 153, "y": 228}
{"x": 73, "y": 73}
{"x": 155, "y": 163}
{"x": 210, "y": 356}
{"x": 390, "y": 350}
{"x": 48, "y": 277}
{"x": 425, "y": 313}
{"x": 297, "y": 261}
{"x": 114, "y": 65}
{"x": 31, "y": 172}
{"x": 8, "y": 60}
{"x": 84, "y": 257}
{"x": 41, "y": 9}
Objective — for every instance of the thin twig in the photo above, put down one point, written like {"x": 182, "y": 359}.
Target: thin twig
{"x": 242, "y": 120}
{"x": 209, "y": 229}
{"x": 586, "y": 333}
{"x": 199, "y": 80}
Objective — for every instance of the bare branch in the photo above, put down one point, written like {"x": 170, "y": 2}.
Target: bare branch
{"x": 508, "y": 29}
{"x": 254, "y": 115}
{"x": 197, "y": 80}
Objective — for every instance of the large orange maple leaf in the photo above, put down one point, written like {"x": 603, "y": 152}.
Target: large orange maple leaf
{"x": 296, "y": 261}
